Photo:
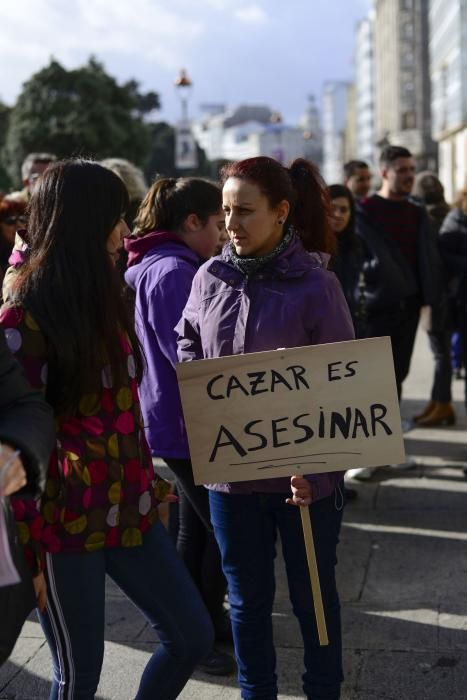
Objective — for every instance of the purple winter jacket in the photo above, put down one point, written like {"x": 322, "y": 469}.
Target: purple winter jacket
{"x": 291, "y": 302}
{"x": 162, "y": 281}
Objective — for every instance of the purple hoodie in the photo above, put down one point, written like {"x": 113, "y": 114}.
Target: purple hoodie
{"x": 293, "y": 301}
{"x": 161, "y": 276}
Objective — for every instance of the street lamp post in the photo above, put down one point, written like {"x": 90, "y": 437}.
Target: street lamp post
{"x": 276, "y": 121}
{"x": 183, "y": 85}
{"x": 186, "y": 157}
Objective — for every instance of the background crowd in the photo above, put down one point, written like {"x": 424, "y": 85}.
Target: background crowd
{"x": 107, "y": 283}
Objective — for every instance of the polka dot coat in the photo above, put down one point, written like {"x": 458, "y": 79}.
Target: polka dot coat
{"x": 101, "y": 489}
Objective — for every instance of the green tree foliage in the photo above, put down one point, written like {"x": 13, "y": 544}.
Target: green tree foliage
{"x": 4, "y": 118}
{"x": 161, "y": 156}
{"x": 79, "y": 112}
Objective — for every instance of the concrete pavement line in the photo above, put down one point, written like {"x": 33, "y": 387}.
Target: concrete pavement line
{"x": 399, "y": 530}
{"x": 424, "y": 616}
{"x": 445, "y": 435}
{"x": 432, "y": 484}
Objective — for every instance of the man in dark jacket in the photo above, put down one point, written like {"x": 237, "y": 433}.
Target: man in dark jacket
{"x": 27, "y": 426}
{"x": 403, "y": 272}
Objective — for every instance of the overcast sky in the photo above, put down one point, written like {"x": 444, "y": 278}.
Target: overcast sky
{"x": 272, "y": 52}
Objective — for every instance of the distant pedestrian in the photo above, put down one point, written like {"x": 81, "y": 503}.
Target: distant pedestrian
{"x": 134, "y": 180}
{"x": 177, "y": 228}
{"x": 453, "y": 244}
{"x": 403, "y": 268}
{"x": 438, "y": 319}
{"x": 68, "y": 326}
{"x": 32, "y": 167}
{"x": 349, "y": 259}
{"x": 347, "y": 264}
{"x": 403, "y": 271}
{"x": 357, "y": 177}
{"x": 268, "y": 289}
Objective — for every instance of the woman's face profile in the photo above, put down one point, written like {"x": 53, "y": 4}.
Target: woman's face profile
{"x": 115, "y": 240}
{"x": 252, "y": 225}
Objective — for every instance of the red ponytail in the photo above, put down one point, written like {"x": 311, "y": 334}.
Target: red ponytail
{"x": 312, "y": 212}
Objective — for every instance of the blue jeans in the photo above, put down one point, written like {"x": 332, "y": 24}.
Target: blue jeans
{"x": 246, "y": 528}
{"x": 156, "y": 581}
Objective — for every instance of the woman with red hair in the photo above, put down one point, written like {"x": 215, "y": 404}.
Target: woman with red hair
{"x": 270, "y": 288}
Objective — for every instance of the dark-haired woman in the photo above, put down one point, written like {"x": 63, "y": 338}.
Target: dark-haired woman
{"x": 68, "y": 326}
{"x": 178, "y": 227}
{"x": 266, "y": 290}
{"x": 347, "y": 263}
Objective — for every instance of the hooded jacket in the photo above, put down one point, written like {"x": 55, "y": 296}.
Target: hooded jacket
{"x": 161, "y": 270}
{"x": 292, "y": 301}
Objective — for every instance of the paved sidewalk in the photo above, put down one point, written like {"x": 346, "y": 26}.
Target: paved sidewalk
{"x": 403, "y": 583}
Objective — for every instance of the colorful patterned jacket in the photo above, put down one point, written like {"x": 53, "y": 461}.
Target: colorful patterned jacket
{"x": 101, "y": 490}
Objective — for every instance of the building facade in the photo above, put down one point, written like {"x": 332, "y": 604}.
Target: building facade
{"x": 310, "y": 123}
{"x": 402, "y": 78}
{"x": 448, "y": 69}
{"x": 248, "y": 131}
{"x": 350, "y": 131}
{"x": 365, "y": 90}
{"x": 335, "y": 104}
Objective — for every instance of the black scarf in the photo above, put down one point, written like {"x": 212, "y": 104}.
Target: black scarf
{"x": 249, "y": 265}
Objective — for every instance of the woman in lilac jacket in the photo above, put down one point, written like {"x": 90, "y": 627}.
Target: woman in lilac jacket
{"x": 266, "y": 291}
{"x": 178, "y": 227}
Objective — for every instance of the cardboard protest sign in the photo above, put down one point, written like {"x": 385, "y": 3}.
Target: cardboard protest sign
{"x": 303, "y": 410}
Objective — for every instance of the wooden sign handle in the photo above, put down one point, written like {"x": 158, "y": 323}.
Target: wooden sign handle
{"x": 314, "y": 576}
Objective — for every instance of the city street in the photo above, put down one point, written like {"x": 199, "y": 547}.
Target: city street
{"x": 402, "y": 576}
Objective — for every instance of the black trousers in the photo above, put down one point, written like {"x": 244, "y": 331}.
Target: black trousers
{"x": 440, "y": 343}
{"x": 196, "y": 543}
{"x": 400, "y": 323}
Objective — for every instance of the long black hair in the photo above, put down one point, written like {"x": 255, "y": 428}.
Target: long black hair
{"x": 69, "y": 283}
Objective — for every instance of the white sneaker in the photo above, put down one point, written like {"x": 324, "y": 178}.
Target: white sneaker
{"x": 361, "y": 473}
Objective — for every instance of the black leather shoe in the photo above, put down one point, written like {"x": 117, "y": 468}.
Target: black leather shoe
{"x": 217, "y": 663}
